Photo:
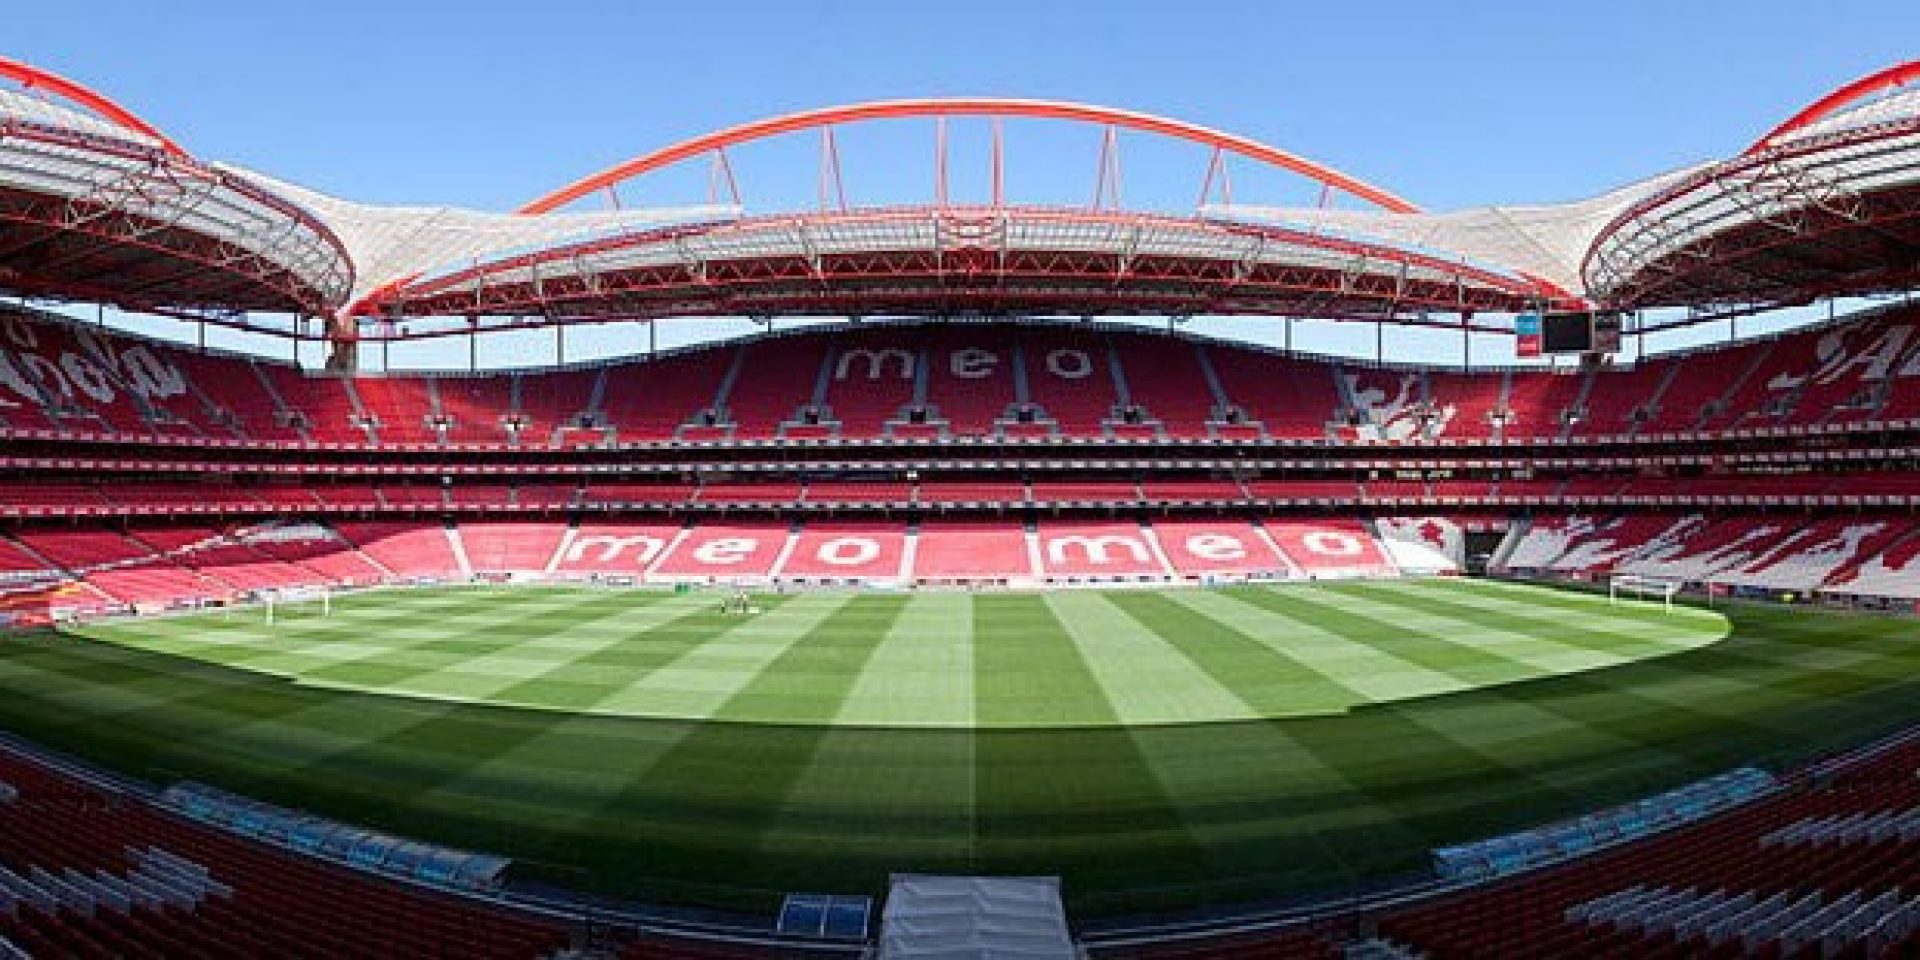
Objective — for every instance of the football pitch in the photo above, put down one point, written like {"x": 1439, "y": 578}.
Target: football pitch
{"x": 1157, "y": 748}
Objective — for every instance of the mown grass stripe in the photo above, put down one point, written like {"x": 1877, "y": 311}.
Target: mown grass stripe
{"x": 485, "y": 630}
{"x": 1269, "y": 682}
{"x": 1027, "y": 671}
{"x": 1470, "y": 664}
{"x": 810, "y": 679}
{"x": 719, "y": 656}
{"x": 1141, "y": 672}
{"x": 922, "y": 671}
{"x": 1373, "y": 673}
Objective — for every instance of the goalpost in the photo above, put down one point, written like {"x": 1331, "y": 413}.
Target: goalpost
{"x": 1643, "y": 588}
{"x": 295, "y": 599}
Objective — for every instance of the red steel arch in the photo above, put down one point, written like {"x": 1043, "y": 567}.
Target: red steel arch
{"x": 967, "y": 106}
{"x": 33, "y": 76}
{"x": 1832, "y": 103}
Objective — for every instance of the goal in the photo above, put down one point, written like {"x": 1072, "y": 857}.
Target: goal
{"x": 297, "y": 601}
{"x": 1643, "y": 588}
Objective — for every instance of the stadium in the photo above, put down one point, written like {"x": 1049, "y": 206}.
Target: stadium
{"x": 976, "y": 603}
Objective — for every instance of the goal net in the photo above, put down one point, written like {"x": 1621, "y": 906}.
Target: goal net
{"x": 1643, "y": 588}
{"x": 297, "y": 602}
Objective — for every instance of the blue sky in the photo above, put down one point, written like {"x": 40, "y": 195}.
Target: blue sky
{"x": 488, "y": 104}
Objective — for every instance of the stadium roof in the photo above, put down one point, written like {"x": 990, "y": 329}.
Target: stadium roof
{"x": 101, "y": 206}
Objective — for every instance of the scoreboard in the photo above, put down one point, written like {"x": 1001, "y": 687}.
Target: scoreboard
{"x": 1556, "y": 334}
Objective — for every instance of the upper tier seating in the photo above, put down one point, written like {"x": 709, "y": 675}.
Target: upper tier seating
{"x": 1292, "y": 398}
{"x": 863, "y": 383}
{"x": 775, "y": 380}
{"x": 1619, "y": 402}
{"x": 552, "y": 402}
{"x": 1392, "y": 406}
{"x": 870, "y": 380}
{"x": 321, "y": 406}
{"x": 1069, "y": 377}
{"x": 1693, "y": 402}
{"x": 650, "y": 401}
{"x": 1165, "y": 379}
{"x": 398, "y": 409}
{"x": 1539, "y": 402}
{"x": 1464, "y": 404}
{"x": 474, "y": 409}
{"x": 970, "y": 379}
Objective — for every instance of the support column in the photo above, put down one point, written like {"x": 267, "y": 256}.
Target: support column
{"x": 343, "y": 339}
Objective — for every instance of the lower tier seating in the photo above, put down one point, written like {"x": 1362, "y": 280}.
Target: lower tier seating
{"x": 86, "y": 872}
{"x": 1867, "y": 555}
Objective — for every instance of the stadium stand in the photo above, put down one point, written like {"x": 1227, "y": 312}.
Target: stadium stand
{"x": 1068, "y": 550}
{"x": 777, "y": 382}
{"x": 841, "y": 552}
{"x": 950, "y": 551}
{"x": 93, "y": 872}
{"x": 1167, "y": 386}
{"x": 1805, "y": 560}
{"x": 872, "y": 381}
{"x": 1069, "y": 377}
{"x": 1208, "y": 548}
{"x": 858, "y": 492}
{"x": 407, "y": 550}
{"x": 1821, "y": 868}
{"x": 503, "y": 547}
{"x": 1728, "y": 543}
{"x": 970, "y": 380}
{"x": 321, "y": 550}
{"x": 1290, "y": 398}
{"x": 1329, "y": 548}
{"x": 626, "y": 549}
{"x": 724, "y": 553}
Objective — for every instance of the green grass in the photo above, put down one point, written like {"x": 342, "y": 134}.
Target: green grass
{"x": 1157, "y": 748}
